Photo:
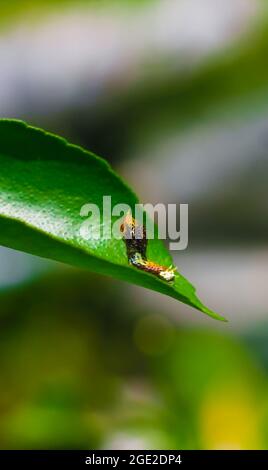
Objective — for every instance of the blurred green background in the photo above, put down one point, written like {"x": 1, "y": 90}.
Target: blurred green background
{"x": 174, "y": 94}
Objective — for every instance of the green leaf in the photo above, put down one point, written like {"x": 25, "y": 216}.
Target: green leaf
{"x": 44, "y": 182}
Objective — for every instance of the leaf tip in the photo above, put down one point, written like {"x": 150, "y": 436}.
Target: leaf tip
{"x": 214, "y": 315}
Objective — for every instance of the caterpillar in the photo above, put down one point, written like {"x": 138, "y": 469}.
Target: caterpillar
{"x": 134, "y": 235}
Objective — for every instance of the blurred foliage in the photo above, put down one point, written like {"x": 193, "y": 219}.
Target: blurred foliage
{"x": 81, "y": 369}
{"x": 231, "y": 85}
{"x": 15, "y": 9}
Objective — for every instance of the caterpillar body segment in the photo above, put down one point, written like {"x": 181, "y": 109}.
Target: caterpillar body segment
{"x": 167, "y": 274}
